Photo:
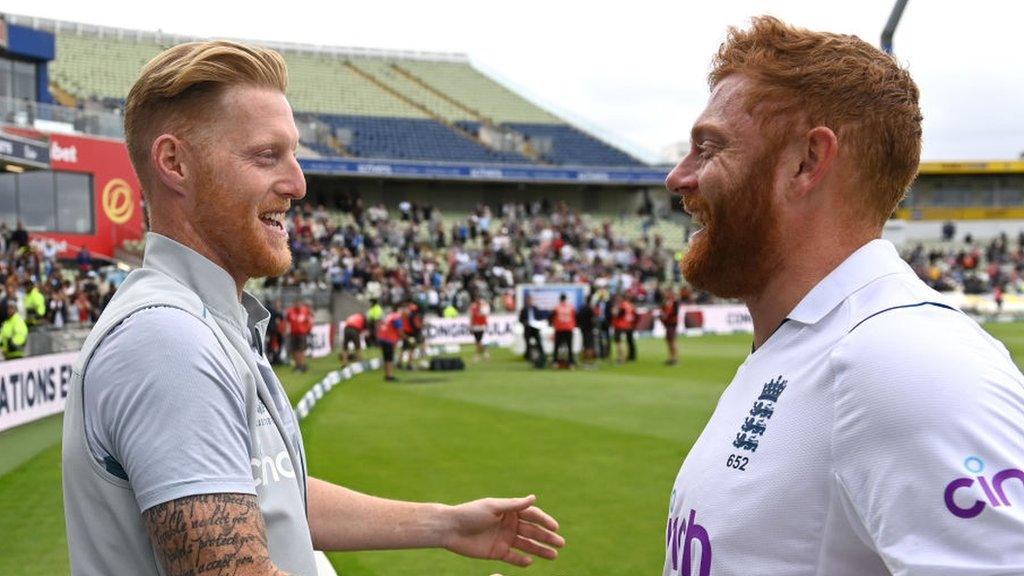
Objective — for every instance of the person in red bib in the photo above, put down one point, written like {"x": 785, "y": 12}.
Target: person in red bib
{"x": 299, "y": 320}
{"x": 389, "y": 332}
{"x": 563, "y": 319}
{"x": 412, "y": 334}
{"x": 352, "y": 340}
{"x": 670, "y": 319}
{"x": 478, "y": 312}
{"x": 624, "y": 323}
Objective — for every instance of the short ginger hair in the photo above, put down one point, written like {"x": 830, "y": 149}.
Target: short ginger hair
{"x": 838, "y": 81}
{"x": 176, "y": 87}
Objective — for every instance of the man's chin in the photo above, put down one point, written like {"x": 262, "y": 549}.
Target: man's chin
{"x": 273, "y": 265}
{"x": 707, "y": 269}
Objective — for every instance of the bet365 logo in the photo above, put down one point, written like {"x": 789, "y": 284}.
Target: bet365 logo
{"x": 994, "y": 491}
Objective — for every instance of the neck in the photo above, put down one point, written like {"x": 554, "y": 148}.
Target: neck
{"x": 181, "y": 230}
{"x": 795, "y": 278}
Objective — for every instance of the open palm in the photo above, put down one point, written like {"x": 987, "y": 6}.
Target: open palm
{"x": 503, "y": 529}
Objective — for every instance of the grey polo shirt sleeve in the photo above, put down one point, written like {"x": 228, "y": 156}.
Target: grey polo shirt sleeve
{"x": 164, "y": 403}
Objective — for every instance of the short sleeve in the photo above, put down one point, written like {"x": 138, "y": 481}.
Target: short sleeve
{"x": 164, "y": 402}
{"x": 929, "y": 443}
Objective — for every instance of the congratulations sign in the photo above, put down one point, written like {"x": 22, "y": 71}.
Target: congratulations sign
{"x": 500, "y": 330}
{"x": 33, "y": 388}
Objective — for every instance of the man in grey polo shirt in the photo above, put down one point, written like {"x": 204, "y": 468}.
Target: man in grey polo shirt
{"x": 181, "y": 453}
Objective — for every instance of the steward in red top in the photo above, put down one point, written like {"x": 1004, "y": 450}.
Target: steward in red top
{"x": 352, "y": 339}
{"x": 390, "y": 329}
{"x": 478, "y": 312}
{"x": 357, "y": 321}
{"x": 563, "y": 318}
{"x": 626, "y": 317}
{"x": 624, "y": 323}
{"x": 299, "y": 319}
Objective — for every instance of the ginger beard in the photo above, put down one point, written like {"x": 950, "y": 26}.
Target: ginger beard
{"x": 229, "y": 222}
{"x": 736, "y": 252}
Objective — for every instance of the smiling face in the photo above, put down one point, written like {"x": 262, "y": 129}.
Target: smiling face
{"x": 247, "y": 177}
{"x": 727, "y": 183}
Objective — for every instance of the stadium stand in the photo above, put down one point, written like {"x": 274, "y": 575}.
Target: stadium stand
{"x": 326, "y": 85}
{"x": 99, "y": 68}
{"x": 377, "y": 105}
{"x": 388, "y": 77}
{"x": 485, "y": 97}
{"x": 411, "y": 139}
{"x": 569, "y": 145}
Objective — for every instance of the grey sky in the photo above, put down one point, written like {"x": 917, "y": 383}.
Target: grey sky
{"x": 634, "y": 72}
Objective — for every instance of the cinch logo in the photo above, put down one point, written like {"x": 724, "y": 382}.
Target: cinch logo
{"x": 993, "y": 489}
{"x": 267, "y": 470}
{"x": 679, "y": 538}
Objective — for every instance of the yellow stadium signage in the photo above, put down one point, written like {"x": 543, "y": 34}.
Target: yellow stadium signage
{"x": 994, "y": 167}
{"x": 117, "y": 200}
{"x": 960, "y": 213}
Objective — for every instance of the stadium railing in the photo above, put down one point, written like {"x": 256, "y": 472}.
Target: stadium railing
{"x": 38, "y": 115}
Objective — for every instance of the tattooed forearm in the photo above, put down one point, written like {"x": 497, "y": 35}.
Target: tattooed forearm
{"x": 210, "y": 534}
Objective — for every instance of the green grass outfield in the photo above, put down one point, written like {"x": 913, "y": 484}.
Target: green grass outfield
{"x": 600, "y": 448}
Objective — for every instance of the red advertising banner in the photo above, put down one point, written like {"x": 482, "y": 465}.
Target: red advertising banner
{"x": 117, "y": 194}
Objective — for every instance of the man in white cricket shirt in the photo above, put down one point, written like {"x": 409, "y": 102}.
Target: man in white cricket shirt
{"x": 873, "y": 429}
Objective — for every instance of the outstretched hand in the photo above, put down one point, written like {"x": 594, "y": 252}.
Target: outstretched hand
{"x": 504, "y": 529}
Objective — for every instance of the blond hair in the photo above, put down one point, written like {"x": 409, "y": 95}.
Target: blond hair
{"x": 176, "y": 86}
{"x": 838, "y": 81}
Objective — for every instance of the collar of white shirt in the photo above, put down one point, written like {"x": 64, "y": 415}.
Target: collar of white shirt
{"x": 870, "y": 262}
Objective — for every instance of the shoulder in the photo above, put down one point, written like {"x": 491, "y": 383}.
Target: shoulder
{"x": 157, "y": 364}
{"x": 152, "y": 338}
{"x": 148, "y": 286}
{"x": 921, "y": 367}
{"x": 164, "y": 320}
{"x": 897, "y": 319}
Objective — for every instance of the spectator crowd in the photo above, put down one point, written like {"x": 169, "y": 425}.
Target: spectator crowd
{"x": 972, "y": 267}
{"x": 412, "y": 252}
{"x": 38, "y": 291}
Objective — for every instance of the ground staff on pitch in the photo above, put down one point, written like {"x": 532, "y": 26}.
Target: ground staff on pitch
{"x": 389, "y": 333}
{"x": 181, "y": 452}
{"x": 352, "y": 338}
{"x": 872, "y": 430}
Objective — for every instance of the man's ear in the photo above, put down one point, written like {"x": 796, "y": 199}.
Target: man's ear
{"x": 173, "y": 163}
{"x": 818, "y": 149}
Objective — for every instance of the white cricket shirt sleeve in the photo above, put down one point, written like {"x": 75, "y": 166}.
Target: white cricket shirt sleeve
{"x": 928, "y": 453}
{"x": 164, "y": 405}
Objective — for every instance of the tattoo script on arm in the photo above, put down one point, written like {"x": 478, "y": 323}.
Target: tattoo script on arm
{"x": 210, "y": 534}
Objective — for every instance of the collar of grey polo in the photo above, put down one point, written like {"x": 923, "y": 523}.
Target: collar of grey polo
{"x": 214, "y": 286}
{"x": 868, "y": 263}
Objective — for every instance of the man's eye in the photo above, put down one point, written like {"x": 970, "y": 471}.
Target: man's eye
{"x": 705, "y": 150}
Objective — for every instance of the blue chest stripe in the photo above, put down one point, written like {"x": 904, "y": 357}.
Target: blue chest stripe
{"x": 939, "y": 304}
